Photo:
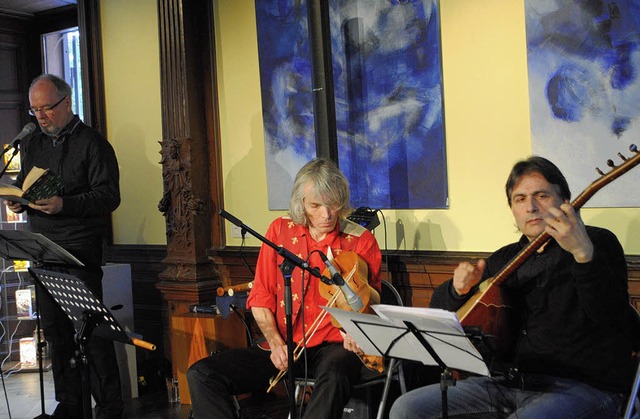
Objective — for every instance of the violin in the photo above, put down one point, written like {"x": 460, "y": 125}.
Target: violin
{"x": 354, "y": 270}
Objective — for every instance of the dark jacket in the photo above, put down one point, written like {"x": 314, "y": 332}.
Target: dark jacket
{"x": 575, "y": 317}
{"x": 87, "y": 164}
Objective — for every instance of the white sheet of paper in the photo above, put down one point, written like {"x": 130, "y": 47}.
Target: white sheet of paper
{"x": 388, "y": 332}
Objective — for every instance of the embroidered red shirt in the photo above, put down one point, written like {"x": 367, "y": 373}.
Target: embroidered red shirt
{"x": 268, "y": 285}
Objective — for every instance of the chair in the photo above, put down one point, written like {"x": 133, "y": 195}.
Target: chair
{"x": 633, "y": 403}
{"x": 394, "y": 369}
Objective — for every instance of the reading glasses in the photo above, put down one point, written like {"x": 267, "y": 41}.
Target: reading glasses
{"x": 46, "y": 109}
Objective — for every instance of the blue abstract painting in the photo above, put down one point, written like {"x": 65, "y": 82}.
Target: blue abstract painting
{"x": 387, "y": 73}
{"x": 584, "y": 87}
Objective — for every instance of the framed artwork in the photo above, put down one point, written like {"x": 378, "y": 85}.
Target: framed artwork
{"x": 584, "y": 85}
{"x": 14, "y": 165}
{"x": 12, "y": 217}
{"x": 387, "y": 72}
{"x": 21, "y": 265}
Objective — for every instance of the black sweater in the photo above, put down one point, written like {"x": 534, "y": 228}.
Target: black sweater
{"x": 575, "y": 317}
{"x": 87, "y": 164}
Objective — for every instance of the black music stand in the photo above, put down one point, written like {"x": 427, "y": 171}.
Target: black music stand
{"x": 88, "y": 315}
{"x": 25, "y": 245}
{"x": 431, "y": 336}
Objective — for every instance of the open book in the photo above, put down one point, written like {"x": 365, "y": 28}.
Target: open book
{"x": 38, "y": 184}
{"x": 388, "y": 334}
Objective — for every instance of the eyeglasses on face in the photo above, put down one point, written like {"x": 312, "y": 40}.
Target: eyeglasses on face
{"x": 46, "y": 109}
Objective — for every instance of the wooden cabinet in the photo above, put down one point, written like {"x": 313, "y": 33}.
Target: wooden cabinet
{"x": 195, "y": 336}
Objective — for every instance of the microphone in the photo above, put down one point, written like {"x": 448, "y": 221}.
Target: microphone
{"x": 26, "y": 131}
{"x": 353, "y": 299}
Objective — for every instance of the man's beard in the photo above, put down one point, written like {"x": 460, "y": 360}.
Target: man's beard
{"x": 51, "y": 131}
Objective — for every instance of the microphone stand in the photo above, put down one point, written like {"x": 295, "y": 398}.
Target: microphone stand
{"x": 39, "y": 344}
{"x": 287, "y": 266}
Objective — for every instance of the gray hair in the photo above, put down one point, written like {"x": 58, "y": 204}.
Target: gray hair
{"x": 327, "y": 181}
{"x": 61, "y": 86}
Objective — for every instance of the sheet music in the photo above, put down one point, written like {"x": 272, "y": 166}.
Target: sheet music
{"x": 370, "y": 324}
{"x": 444, "y": 321}
{"x": 388, "y": 333}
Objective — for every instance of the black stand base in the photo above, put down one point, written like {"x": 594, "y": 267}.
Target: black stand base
{"x": 446, "y": 381}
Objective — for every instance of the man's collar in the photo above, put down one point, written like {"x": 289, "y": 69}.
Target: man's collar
{"x": 67, "y": 130}
{"x": 344, "y": 226}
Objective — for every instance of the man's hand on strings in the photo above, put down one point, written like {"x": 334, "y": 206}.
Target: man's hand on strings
{"x": 467, "y": 275}
{"x": 567, "y": 228}
{"x": 350, "y": 345}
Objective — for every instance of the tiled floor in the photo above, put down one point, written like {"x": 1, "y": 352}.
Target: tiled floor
{"x": 20, "y": 399}
{"x": 21, "y": 395}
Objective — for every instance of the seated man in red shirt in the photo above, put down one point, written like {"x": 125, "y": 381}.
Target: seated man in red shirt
{"x": 317, "y": 221}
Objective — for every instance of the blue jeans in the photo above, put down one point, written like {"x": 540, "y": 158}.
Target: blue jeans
{"x": 538, "y": 396}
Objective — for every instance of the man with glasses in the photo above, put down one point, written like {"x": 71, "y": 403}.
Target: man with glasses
{"x": 76, "y": 219}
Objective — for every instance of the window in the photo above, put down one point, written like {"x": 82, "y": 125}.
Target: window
{"x": 61, "y": 56}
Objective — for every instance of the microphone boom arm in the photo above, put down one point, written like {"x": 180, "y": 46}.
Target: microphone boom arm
{"x": 285, "y": 253}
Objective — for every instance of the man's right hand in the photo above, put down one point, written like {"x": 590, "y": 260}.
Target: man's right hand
{"x": 266, "y": 321}
{"x": 280, "y": 357}
{"x": 467, "y": 275}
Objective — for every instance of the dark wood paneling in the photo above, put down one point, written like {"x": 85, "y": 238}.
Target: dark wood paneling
{"x": 89, "y": 26}
{"x": 149, "y": 309}
{"x": 13, "y": 78}
{"x": 415, "y": 274}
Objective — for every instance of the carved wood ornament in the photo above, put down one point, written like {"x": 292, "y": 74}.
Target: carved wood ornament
{"x": 178, "y": 203}
{"x": 186, "y": 72}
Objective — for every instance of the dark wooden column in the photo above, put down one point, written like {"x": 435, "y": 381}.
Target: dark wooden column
{"x": 92, "y": 69}
{"x": 190, "y": 157}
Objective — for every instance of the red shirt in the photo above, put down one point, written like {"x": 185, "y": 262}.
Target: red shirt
{"x": 268, "y": 284}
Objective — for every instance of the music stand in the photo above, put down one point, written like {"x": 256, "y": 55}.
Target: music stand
{"x": 25, "y": 245}
{"x": 431, "y": 336}
{"x": 88, "y": 315}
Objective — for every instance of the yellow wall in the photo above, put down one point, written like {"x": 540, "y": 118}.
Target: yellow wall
{"x": 134, "y": 117}
{"x": 487, "y": 129}
{"x": 486, "y": 115}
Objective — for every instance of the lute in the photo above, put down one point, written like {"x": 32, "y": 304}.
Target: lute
{"x": 489, "y": 308}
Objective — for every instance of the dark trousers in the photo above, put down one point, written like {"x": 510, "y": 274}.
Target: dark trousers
{"x": 60, "y": 334}
{"x": 215, "y": 379}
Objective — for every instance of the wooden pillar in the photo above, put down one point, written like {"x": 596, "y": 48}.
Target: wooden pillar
{"x": 189, "y": 149}
{"x": 92, "y": 67}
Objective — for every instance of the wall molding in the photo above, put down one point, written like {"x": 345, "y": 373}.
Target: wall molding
{"x": 414, "y": 273}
